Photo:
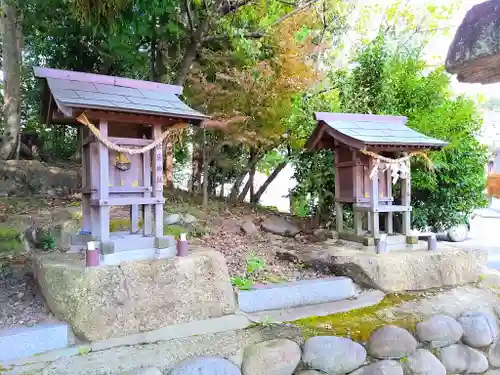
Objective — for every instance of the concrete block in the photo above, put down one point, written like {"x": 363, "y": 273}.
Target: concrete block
{"x": 411, "y": 240}
{"x": 137, "y": 255}
{"x": 27, "y": 341}
{"x": 294, "y": 294}
{"x": 107, "y": 247}
{"x": 80, "y": 239}
{"x": 368, "y": 241}
{"x": 165, "y": 242}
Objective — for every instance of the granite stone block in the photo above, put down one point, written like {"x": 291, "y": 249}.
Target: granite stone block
{"x": 27, "y": 341}
{"x": 294, "y": 294}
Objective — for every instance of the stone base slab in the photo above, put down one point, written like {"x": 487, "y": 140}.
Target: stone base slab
{"x": 27, "y": 341}
{"x": 294, "y": 294}
{"x": 408, "y": 270}
{"x": 136, "y": 296}
{"x": 137, "y": 255}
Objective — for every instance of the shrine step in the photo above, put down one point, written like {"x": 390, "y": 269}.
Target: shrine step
{"x": 295, "y": 294}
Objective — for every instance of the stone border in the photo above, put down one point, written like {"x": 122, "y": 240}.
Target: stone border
{"x": 295, "y": 294}
{"x": 200, "y": 327}
{"x": 28, "y": 341}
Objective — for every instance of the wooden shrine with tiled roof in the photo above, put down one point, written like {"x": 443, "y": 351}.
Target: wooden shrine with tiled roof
{"x": 124, "y": 123}
{"x": 372, "y": 152}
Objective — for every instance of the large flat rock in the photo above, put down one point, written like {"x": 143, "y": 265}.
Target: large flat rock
{"x": 408, "y": 270}
{"x": 117, "y": 300}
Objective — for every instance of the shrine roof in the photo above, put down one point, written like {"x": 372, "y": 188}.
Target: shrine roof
{"x": 359, "y": 130}
{"x": 81, "y": 91}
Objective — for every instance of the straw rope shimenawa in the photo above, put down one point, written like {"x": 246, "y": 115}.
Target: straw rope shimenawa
{"x": 399, "y": 167}
{"x": 170, "y": 133}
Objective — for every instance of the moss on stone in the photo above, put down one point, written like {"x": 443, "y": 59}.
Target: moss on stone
{"x": 10, "y": 240}
{"x": 9, "y": 233}
{"x": 360, "y": 323}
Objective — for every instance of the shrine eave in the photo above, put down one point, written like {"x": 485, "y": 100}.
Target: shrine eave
{"x": 361, "y": 131}
{"x": 69, "y": 93}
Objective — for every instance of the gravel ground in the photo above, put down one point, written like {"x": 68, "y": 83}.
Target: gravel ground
{"x": 20, "y": 301}
{"x": 238, "y": 248}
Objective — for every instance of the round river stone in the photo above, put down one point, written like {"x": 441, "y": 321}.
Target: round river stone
{"x": 480, "y": 328}
{"x": 206, "y": 366}
{"x": 385, "y": 367}
{"x": 423, "y": 362}
{"x": 462, "y": 359}
{"x": 391, "y": 342}
{"x": 439, "y": 331}
{"x": 333, "y": 355}
{"x": 273, "y": 357}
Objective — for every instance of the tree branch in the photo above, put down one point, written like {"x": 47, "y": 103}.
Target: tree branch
{"x": 189, "y": 15}
{"x": 233, "y": 7}
{"x": 249, "y": 35}
{"x": 261, "y": 33}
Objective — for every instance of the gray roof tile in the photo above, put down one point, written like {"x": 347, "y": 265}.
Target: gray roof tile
{"x": 381, "y": 132}
{"x": 102, "y": 95}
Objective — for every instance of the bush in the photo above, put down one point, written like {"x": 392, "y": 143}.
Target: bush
{"x": 398, "y": 83}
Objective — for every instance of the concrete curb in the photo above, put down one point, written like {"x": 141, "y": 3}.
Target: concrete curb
{"x": 27, "y": 341}
{"x": 201, "y": 327}
{"x": 295, "y": 294}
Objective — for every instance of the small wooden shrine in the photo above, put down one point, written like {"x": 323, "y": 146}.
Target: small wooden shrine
{"x": 123, "y": 124}
{"x": 372, "y": 152}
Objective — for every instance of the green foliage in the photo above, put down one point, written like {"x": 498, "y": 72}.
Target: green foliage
{"x": 397, "y": 82}
{"x": 314, "y": 192}
{"x": 242, "y": 283}
{"x": 47, "y": 242}
{"x": 255, "y": 264}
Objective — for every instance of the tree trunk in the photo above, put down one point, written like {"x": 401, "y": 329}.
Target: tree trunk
{"x": 244, "y": 192}
{"x": 233, "y": 196}
{"x": 206, "y": 164}
{"x": 195, "y": 42}
{"x": 252, "y": 162}
{"x": 11, "y": 54}
{"x": 221, "y": 192}
{"x": 249, "y": 185}
{"x": 268, "y": 182}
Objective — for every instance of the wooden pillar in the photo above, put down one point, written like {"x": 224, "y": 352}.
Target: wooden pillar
{"x": 339, "y": 213}
{"x": 158, "y": 182}
{"x": 339, "y": 210}
{"x": 86, "y": 186}
{"x": 374, "y": 198}
{"x": 134, "y": 218}
{"x": 147, "y": 213}
{"x": 103, "y": 182}
{"x": 406, "y": 201}
{"x": 357, "y": 171}
{"x": 389, "y": 217}
{"x": 93, "y": 178}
